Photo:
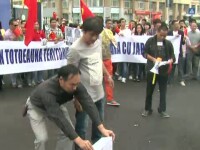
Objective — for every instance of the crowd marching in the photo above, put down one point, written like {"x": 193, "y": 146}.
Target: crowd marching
{"x": 94, "y": 46}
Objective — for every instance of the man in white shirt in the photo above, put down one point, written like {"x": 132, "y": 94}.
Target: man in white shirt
{"x": 190, "y": 25}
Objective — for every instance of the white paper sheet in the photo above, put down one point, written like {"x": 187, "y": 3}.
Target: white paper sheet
{"x": 104, "y": 143}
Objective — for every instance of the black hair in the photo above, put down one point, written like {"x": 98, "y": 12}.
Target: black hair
{"x": 68, "y": 70}
{"x": 120, "y": 20}
{"x": 133, "y": 21}
{"x": 182, "y": 21}
{"x": 174, "y": 21}
{"x": 163, "y": 27}
{"x": 157, "y": 21}
{"x": 142, "y": 32}
{"x": 149, "y": 24}
{"x": 23, "y": 21}
{"x": 144, "y": 20}
{"x": 11, "y": 21}
{"x": 94, "y": 24}
{"x": 115, "y": 21}
{"x": 107, "y": 20}
{"x": 73, "y": 25}
{"x": 53, "y": 19}
{"x": 191, "y": 20}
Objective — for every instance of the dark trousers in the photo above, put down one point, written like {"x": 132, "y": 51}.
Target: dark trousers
{"x": 180, "y": 71}
{"x": 82, "y": 123}
{"x": 1, "y": 78}
{"x": 114, "y": 65}
{"x": 162, "y": 81}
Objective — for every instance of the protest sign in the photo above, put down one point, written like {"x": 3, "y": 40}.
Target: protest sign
{"x": 131, "y": 49}
{"x": 15, "y": 57}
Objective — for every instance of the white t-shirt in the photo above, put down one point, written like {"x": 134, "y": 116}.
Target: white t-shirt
{"x": 175, "y": 33}
{"x": 89, "y": 60}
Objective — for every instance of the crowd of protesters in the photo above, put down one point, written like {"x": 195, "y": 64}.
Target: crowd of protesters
{"x": 86, "y": 54}
{"x": 188, "y": 63}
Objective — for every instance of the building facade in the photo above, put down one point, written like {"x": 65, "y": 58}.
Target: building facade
{"x": 115, "y": 9}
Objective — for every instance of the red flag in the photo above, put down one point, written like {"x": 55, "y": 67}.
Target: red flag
{"x": 32, "y": 18}
{"x": 17, "y": 32}
{"x": 85, "y": 11}
{"x": 170, "y": 68}
{"x": 117, "y": 30}
{"x": 54, "y": 15}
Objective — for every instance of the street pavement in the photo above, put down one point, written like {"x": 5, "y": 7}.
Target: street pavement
{"x": 133, "y": 132}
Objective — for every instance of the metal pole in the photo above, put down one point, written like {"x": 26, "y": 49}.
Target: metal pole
{"x": 11, "y": 7}
{"x": 150, "y": 10}
{"x": 39, "y": 13}
{"x": 167, "y": 11}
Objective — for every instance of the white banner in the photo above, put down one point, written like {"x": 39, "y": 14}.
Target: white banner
{"x": 15, "y": 57}
{"x": 130, "y": 49}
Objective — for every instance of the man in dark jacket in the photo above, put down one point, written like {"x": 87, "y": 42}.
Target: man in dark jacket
{"x": 47, "y": 101}
{"x": 158, "y": 47}
{"x": 177, "y": 32}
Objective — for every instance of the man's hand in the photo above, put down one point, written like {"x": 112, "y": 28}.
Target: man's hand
{"x": 83, "y": 144}
{"x": 170, "y": 61}
{"x": 77, "y": 105}
{"x": 56, "y": 41}
{"x": 110, "y": 81}
{"x": 106, "y": 132}
{"x": 184, "y": 38}
{"x": 121, "y": 34}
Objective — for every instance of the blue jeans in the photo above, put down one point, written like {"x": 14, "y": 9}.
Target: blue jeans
{"x": 180, "y": 71}
{"x": 16, "y": 79}
{"x": 123, "y": 69}
{"x": 30, "y": 77}
{"x": 82, "y": 123}
{"x": 39, "y": 76}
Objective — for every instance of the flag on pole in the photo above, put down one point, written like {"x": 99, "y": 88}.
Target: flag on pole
{"x": 32, "y": 18}
{"x": 85, "y": 11}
